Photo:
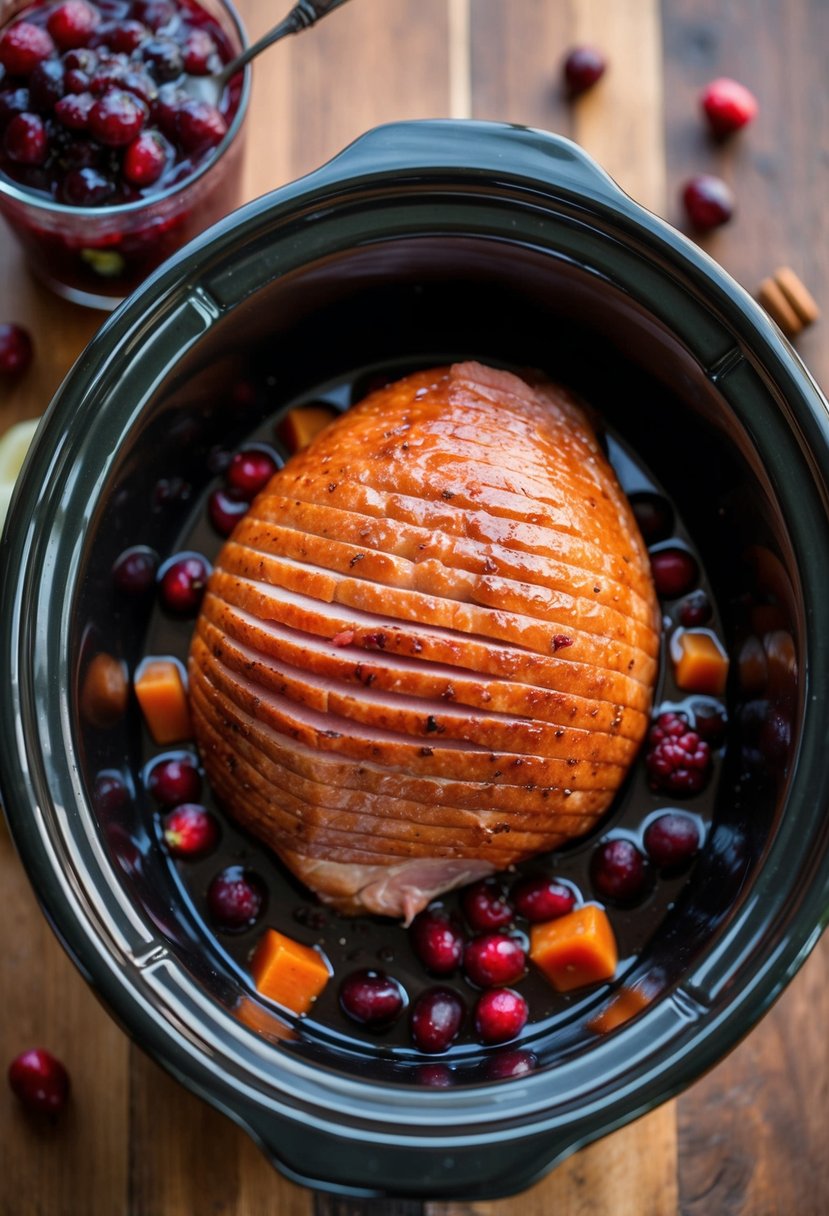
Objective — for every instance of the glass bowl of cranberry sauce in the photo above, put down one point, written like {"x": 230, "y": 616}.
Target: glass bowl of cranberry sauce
{"x": 109, "y": 159}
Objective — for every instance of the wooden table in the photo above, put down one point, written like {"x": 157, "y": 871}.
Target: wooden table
{"x": 750, "y": 1137}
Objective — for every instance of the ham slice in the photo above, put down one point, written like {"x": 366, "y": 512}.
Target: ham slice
{"x": 428, "y": 651}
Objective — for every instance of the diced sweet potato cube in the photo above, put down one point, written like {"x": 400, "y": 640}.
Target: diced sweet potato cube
{"x": 288, "y": 972}
{"x": 300, "y": 426}
{"x": 576, "y": 949}
{"x": 159, "y": 687}
{"x": 702, "y": 665}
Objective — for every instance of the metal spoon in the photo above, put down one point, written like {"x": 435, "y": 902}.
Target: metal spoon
{"x": 303, "y": 14}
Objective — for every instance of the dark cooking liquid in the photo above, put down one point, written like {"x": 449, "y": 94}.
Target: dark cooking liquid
{"x": 360, "y": 942}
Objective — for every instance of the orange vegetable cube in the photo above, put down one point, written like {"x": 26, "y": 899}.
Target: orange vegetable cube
{"x": 288, "y": 972}
{"x": 576, "y": 949}
{"x": 702, "y": 665}
{"x": 160, "y": 689}
{"x": 300, "y": 426}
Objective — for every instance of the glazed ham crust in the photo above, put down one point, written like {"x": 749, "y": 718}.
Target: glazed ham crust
{"x": 429, "y": 649}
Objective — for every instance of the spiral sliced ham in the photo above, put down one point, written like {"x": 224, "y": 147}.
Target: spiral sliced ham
{"x": 429, "y": 649}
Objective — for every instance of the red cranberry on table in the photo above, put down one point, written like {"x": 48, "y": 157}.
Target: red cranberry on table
{"x": 672, "y": 839}
{"x": 583, "y": 67}
{"x": 436, "y": 1019}
{"x": 174, "y": 780}
{"x": 250, "y": 471}
{"x": 190, "y": 830}
{"x": 235, "y": 899}
{"x": 40, "y": 1081}
{"x": 494, "y": 959}
{"x": 485, "y": 905}
{"x": 708, "y": 202}
{"x": 500, "y": 1015}
{"x": 677, "y": 760}
{"x": 674, "y": 572}
{"x": 16, "y": 349}
{"x": 538, "y": 898}
{"x": 437, "y": 941}
{"x": 619, "y": 871}
{"x": 371, "y": 998}
{"x": 727, "y": 105}
{"x": 183, "y": 584}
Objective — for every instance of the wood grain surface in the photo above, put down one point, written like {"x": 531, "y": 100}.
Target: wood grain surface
{"x": 747, "y": 1139}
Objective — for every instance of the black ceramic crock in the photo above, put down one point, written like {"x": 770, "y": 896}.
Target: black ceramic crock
{"x": 424, "y": 242}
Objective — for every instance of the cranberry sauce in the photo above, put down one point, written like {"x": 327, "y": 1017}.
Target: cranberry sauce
{"x": 460, "y": 979}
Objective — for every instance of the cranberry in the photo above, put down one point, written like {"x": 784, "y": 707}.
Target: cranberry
{"x": 166, "y": 107}
{"x": 198, "y": 53}
{"x": 16, "y": 349}
{"x": 109, "y": 794}
{"x": 485, "y": 906}
{"x": 163, "y": 58}
{"x": 174, "y": 780}
{"x": 436, "y": 1019}
{"x": 140, "y": 84}
{"x": 225, "y": 510}
{"x": 619, "y": 871}
{"x": 146, "y": 158}
{"x": 72, "y": 23}
{"x": 695, "y": 610}
{"x": 494, "y": 959}
{"x": 183, "y": 583}
{"x": 199, "y": 125}
{"x": 40, "y": 1081}
{"x": 653, "y": 515}
{"x": 500, "y": 1015}
{"x": 86, "y": 187}
{"x": 437, "y": 941}
{"x": 73, "y": 110}
{"x": 155, "y": 14}
{"x": 507, "y": 1064}
{"x": 133, "y": 572}
{"x": 672, "y": 839}
{"x": 13, "y": 101}
{"x": 116, "y": 118}
{"x": 125, "y": 36}
{"x": 23, "y": 46}
{"x": 728, "y": 106}
{"x": 538, "y": 898}
{"x": 710, "y": 722}
{"x": 583, "y": 66}
{"x": 25, "y": 140}
{"x": 46, "y": 85}
{"x": 81, "y": 60}
{"x": 371, "y": 998}
{"x": 235, "y": 899}
{"x": 678, "y": 761}
{"x": 250, "y": 471}
{"x": 190, "y": 830}
{"x": 708, "y": 201}
{"x": 674, "y": 572}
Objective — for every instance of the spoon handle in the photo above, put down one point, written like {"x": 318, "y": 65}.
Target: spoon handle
{"x": 303, "y": 14}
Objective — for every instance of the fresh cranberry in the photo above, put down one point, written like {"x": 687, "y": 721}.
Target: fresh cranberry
{"x": 82, "y": 59}
{"x": 109, "y": 793}
{"x": 174, "y": 780}
{"x": 183, "y": 583}
{"x": 23, "y": 46}
{"x": 140, "y": 84}
{"x": 435, "y": 1076}
{"x": 678, "y": 761}
{"x": 505, "y": 1065}
{"x": 155, "y": 14}
{"x": 198, "y": 53}
{"x": 12, "y": 102}
{"x": 133, "y": 571}
{"x": 672, "y": 839}
{"x": 371, "y": 998}
{"x": 494, "y": 959}
{"x": 86, "y": 187}
{"x": 16, "y": 349}
{"x": 46, "y": 85}
{"x": 708, "y": 201}
{"x": 235, "y": 899}
{"x": 538, "y": 898}
{"x": 190, "y": 830}
{"x": 674, "y": 572}
{"x": 116, "y": 118}
{"x": 437, "y": 941}
{"x": 199, "y": 125}
{"x": 25, "y": 140}
{"x": 163, "y": 58}
{"x": 695, "y": 610}
{"x": 486, "y": 906}
{"x": 166, "y": 107}
{"x": 225, "y": 510}
{"x": 436, "y": 1019}
{"x": 710, "y": 722}
{"x": 125, "y": 36}
{"x": 72, "y": 23}
{"x": 500, "y": 1015}
{"x": 145, "y": 158}
{"x": 40, "y": 1081}
{"x": 619, "y": 871}
{"x": 250, "y": 471}
{"x": 653, "y": 515}
{"x": 728, "y": 105}
{"x": 583, "y": 66}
